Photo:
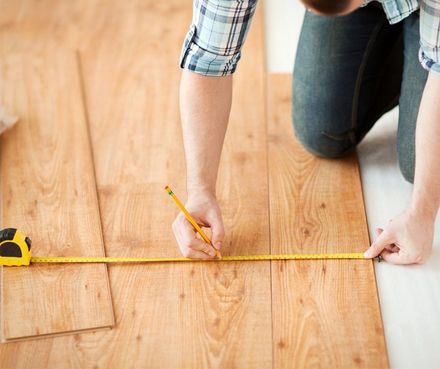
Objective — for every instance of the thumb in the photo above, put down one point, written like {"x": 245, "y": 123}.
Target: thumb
{"x": 218, "y": 231}
{"x": 379, "y": 244}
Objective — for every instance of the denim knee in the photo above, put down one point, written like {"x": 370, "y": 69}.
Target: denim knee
{"x": 315, "y": 134}
{"x": 317, "y": 143}
{"x": 322, "y": 123}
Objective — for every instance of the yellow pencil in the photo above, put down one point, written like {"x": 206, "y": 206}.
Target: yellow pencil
{"x": 191, "y": 219}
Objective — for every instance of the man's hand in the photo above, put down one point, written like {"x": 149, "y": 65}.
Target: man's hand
{"x": 205, "y": 210}
{"x": 407, "y": 239}
{"x": 205, "y": 103}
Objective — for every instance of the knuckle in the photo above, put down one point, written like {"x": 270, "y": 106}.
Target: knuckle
{"x": 416, "y": 258}
{"x": 419, "y": 259}
{"x": 377, "y": 248}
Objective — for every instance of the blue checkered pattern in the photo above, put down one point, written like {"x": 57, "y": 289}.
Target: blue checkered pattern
{"x": 429, "y": 53}
{"x": 397, "y": 10}
{"x": 212, "y": 46}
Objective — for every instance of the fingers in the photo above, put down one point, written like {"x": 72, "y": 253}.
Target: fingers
{"x": 194, "y": 254}
{"x": 403, "y": 258}
{"x": 390, "y": 257}
{"x": 217, "y": 230}
{"x": 189, "y": 244}
{"x": 398, "y": 258}
{"x": 392, "y": 254}
{"x": 391, "y": 247}
{"x": 407, "y": 239}
{"x": 382, "y": 241}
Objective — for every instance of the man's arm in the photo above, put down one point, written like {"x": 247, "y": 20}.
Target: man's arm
{"x": 426, "y": 195}
{"x": 408, "y": 238}
{"x": 205, "y": 103}
{"x": 210, "y": 54}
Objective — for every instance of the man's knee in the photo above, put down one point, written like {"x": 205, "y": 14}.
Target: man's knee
{"x": 321, "y": 123}
{"x": 314, "y": 135}
{"x": 317, "y": 143}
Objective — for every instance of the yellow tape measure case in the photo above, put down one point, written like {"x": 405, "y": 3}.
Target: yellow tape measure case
{"x": 15, "y": 248}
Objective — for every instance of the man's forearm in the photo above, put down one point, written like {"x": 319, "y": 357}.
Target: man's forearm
{"x": 426, "y": 193}
{"x": 408, "y": 238}
{"x": 205, "y": 103}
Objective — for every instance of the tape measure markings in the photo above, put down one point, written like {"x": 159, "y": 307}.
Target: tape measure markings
{"x": 86, "y": 259}
{"x": 15, "y": 250}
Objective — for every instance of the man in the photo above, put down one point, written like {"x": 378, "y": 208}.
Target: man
{"x": 351, "y": 68}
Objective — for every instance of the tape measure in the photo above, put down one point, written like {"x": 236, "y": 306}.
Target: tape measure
{"x": 15, "y": 247}
{"x": 15, "y": 250}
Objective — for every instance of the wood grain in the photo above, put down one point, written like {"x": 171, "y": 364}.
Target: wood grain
{"x": 202, "y": 315}
{"x": 167, "y": 316}
{"x": 204, "y": 312}
{"x": 325, "y": 313}
{"x": 48, "y": 191}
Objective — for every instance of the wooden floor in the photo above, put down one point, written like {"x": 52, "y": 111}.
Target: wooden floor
{"x": 275, "y": 198}
{"x": 48, "y": 190}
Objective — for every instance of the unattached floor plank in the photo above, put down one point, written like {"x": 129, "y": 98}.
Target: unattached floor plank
{"x": 48, "y": 191}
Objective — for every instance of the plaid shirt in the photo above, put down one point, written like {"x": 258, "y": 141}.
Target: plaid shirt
{"x": 212, "y": 46}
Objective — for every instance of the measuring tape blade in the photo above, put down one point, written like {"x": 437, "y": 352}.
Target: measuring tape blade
{"x": 15, "y": 250}
{"x": 85, "y": 259}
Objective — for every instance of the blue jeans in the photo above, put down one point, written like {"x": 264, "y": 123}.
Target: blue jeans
{"x": 349, "y": 71}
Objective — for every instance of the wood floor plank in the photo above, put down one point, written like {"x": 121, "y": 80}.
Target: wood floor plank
{"x": 325, "y": 313}
{"x": 48, "y": 190}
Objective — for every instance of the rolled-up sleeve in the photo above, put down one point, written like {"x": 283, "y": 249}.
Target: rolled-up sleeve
{"x": 212, "y": 46}
{"x": 429, "y": 53}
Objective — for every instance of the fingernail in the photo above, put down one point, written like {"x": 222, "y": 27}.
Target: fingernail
{"x": 212, "y": 252}
{"x": 368, "y": 254}
{"x": 218, "y": 245}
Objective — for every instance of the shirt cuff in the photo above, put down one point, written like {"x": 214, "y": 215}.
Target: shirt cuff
{"x": 205, "y": 62}
{"x": 428, "y": 62}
